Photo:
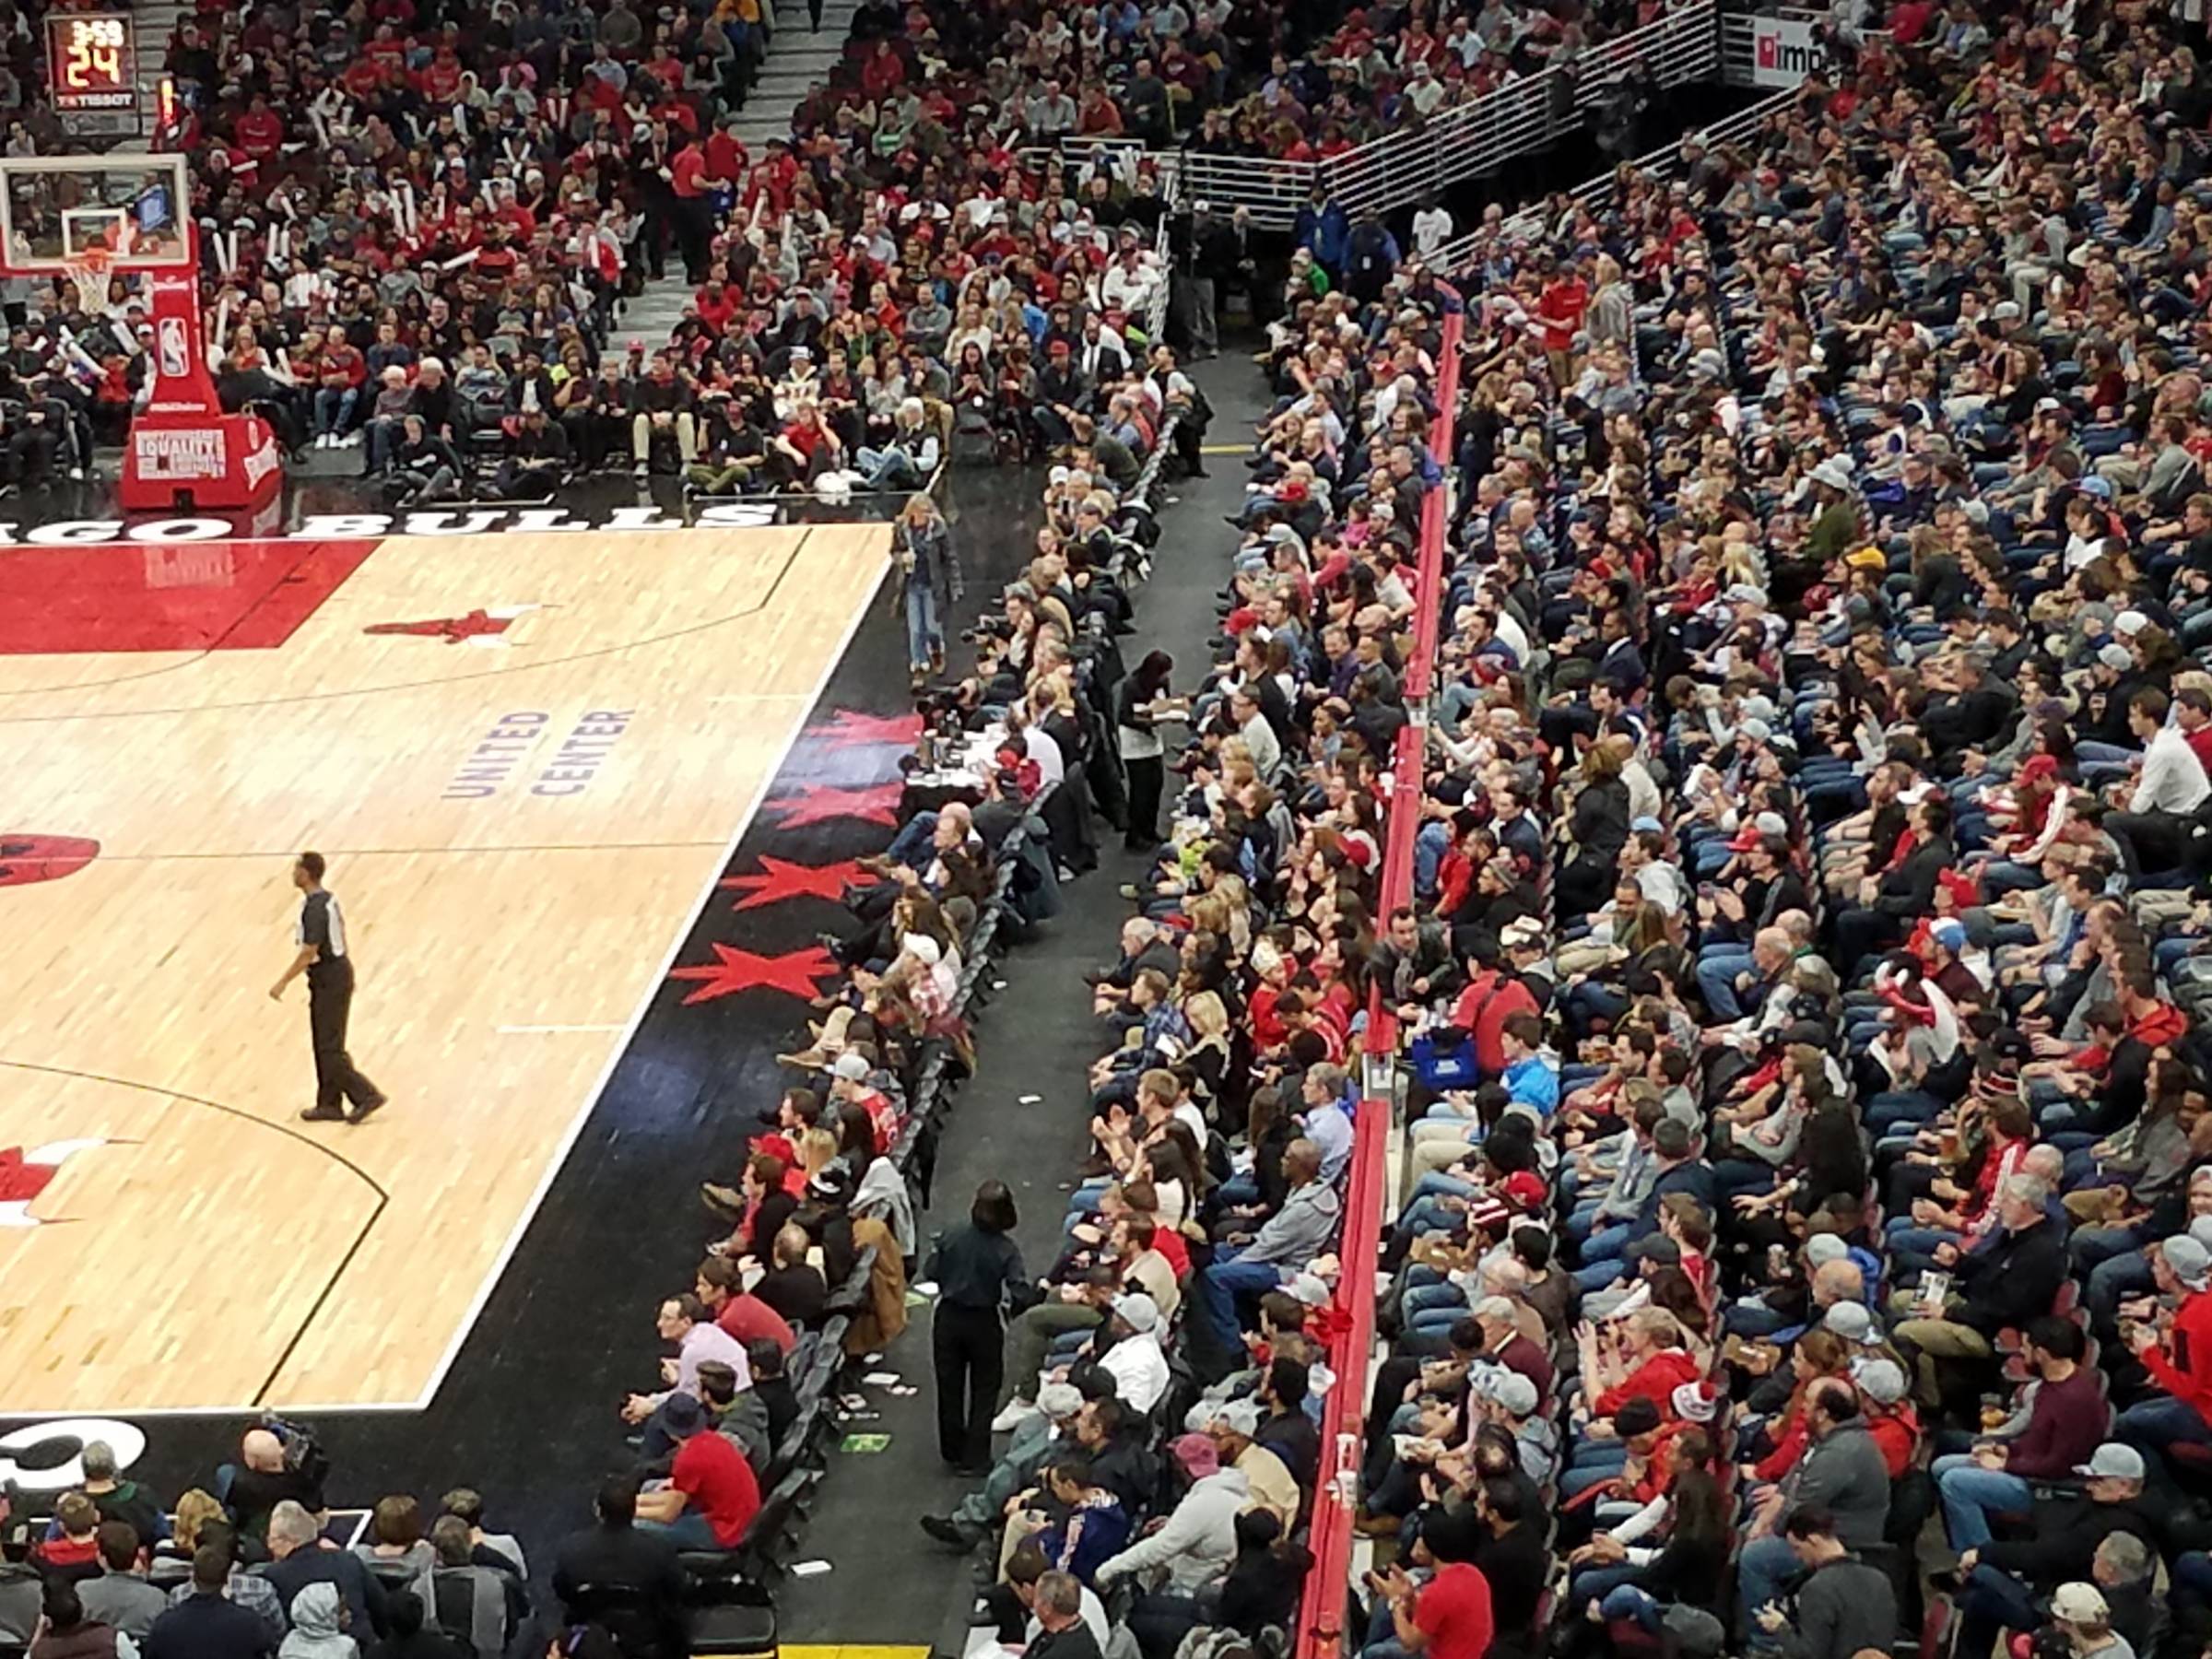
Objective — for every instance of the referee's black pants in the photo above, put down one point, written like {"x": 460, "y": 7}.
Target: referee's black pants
{"x": 970, "y": 1347}
{"x": 329, "y": 1002}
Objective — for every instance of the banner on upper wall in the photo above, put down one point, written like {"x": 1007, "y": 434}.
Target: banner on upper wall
{"x": 1784, "y": 50}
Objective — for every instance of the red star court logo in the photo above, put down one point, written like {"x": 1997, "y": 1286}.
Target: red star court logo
{"x": 877, "y": 803}
{"x": 478, "y": 627}
{"x": 796, "y": 974}
{"x": 780, "y": 880}
{"x": 848, "y": 728}
{"x": 28, "y": 858}
{"x": 24, "y": 1175}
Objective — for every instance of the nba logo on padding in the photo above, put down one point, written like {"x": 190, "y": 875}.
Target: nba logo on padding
{"x": 175, "y": 359}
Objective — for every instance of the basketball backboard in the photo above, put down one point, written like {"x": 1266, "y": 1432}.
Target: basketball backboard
{"x": 56, "y": 209}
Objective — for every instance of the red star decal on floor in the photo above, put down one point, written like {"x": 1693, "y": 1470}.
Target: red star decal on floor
{"x": 848, "y": 728}
{"x": 877, "y": 803}
{"x": 780, "y": 878}
{"x": 795, "y": 973}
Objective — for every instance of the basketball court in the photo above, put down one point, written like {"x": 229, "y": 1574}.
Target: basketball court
{"x": 526, "y": 757}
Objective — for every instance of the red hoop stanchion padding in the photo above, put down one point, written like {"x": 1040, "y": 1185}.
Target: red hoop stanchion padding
{"x": 184, "y": 452}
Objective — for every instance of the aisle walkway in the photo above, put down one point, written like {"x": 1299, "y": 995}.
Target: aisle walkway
{"x": 798, "y": 57}
{"x": 887, "y": 1583}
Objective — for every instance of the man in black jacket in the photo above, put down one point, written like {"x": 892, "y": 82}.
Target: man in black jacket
{"x": 2005, "y": 1280}
{"x": 2003, "y": 1578}
{"x": 1059, "y": 1610}
{"x": 301, "y": 1559}
{"x": 207, "y": 1624}
{"x": 627, "y": 1582}
{"x": 1888, "y": 902}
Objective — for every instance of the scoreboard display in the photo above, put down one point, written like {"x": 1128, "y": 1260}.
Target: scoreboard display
{"x": 92, "y": 66}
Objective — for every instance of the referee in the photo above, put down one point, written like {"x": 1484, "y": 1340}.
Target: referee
{"x": 321, "y": 937}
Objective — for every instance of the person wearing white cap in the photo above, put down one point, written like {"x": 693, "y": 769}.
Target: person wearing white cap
{"x": 2001, "y": 1578}
{"x": 2082, "y": 1613}
{"x": 977, "y": 1515}
{"x": 1134, "y": 1362}
{"x": 1235, "y": 1426}
{"x": 2176, "y": 1349}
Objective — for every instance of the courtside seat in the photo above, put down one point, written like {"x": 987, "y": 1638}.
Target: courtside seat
{"x": 734, "y": 1630}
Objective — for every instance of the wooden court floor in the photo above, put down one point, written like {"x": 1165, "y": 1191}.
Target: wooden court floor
{"x": 522, "y": 795}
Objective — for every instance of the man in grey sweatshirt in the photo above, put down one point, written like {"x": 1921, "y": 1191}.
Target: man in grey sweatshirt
{"x": 1844, "y": 1607}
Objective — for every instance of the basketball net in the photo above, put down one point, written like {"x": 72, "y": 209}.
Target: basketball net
{"x": 89, "y": 271}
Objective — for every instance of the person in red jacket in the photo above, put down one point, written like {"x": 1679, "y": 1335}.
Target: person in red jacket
{"x": 1492, "y": 997}
{"x": 1644, "y": 1352}
{"x": 2177, "y": 1351}
{"x": 340, "y": 373}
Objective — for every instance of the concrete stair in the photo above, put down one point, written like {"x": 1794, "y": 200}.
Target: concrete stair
{"x": 798, "y": 59}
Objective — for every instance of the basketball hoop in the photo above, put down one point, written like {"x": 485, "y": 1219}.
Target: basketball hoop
{"x": 88, "y": 269}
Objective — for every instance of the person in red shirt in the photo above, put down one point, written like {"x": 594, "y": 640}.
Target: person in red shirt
{"x": 340, "y": 374}
{"x": 1448, "y": 1618}
{"x": 693, "y": 187}
{"x": 719, "y": 1286}
{"x": 74, "y": 1553}
{"x": 2176, "y": 1350}
{"x": 1560, "y": 306}
{"x": 260, "y": 131}
{"x": 711, "y": 1496}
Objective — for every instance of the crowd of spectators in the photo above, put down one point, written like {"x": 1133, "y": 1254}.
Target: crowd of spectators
{"x": 442, "y": 212}
{"x": 1807, "y": 1172}
{"x": 438, "y": 213}
{"x": 1808, "y": 1140}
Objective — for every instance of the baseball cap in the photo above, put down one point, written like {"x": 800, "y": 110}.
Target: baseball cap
{"x": 2080, "y": 1604}
{"x": 1514, "y": 1392}
{"x": 1851, "y": 1321}
{"x": 2190, "y": 1262}
{"x": 1881, "y": 1381}
{"x": 1238, "y": 1417}
{"x": 2112, "y": 1460}
{"x": 2115, "y": 657}
{"x": 682, "y": 1416}
{"x": 1059, "y": 1400}
{"x": 1656, "y": 1247}
{"x": 1951, "y": 935}
{"x": 1196, "y": 1454}
{"x": 2130, "y": 622}
{"x": 850, "y": 1067}
{"x": 1311, "y": 1290}
{"x": 1137, "y": 1310}
{"x": 1525, "y": 1188}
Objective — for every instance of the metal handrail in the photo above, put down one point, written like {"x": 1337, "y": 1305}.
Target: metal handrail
{"x": 1400, "y": 168}
{"x": 1461, "y": 253}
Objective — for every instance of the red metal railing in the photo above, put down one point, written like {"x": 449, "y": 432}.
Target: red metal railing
{"x": 1321, "y": 1619}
